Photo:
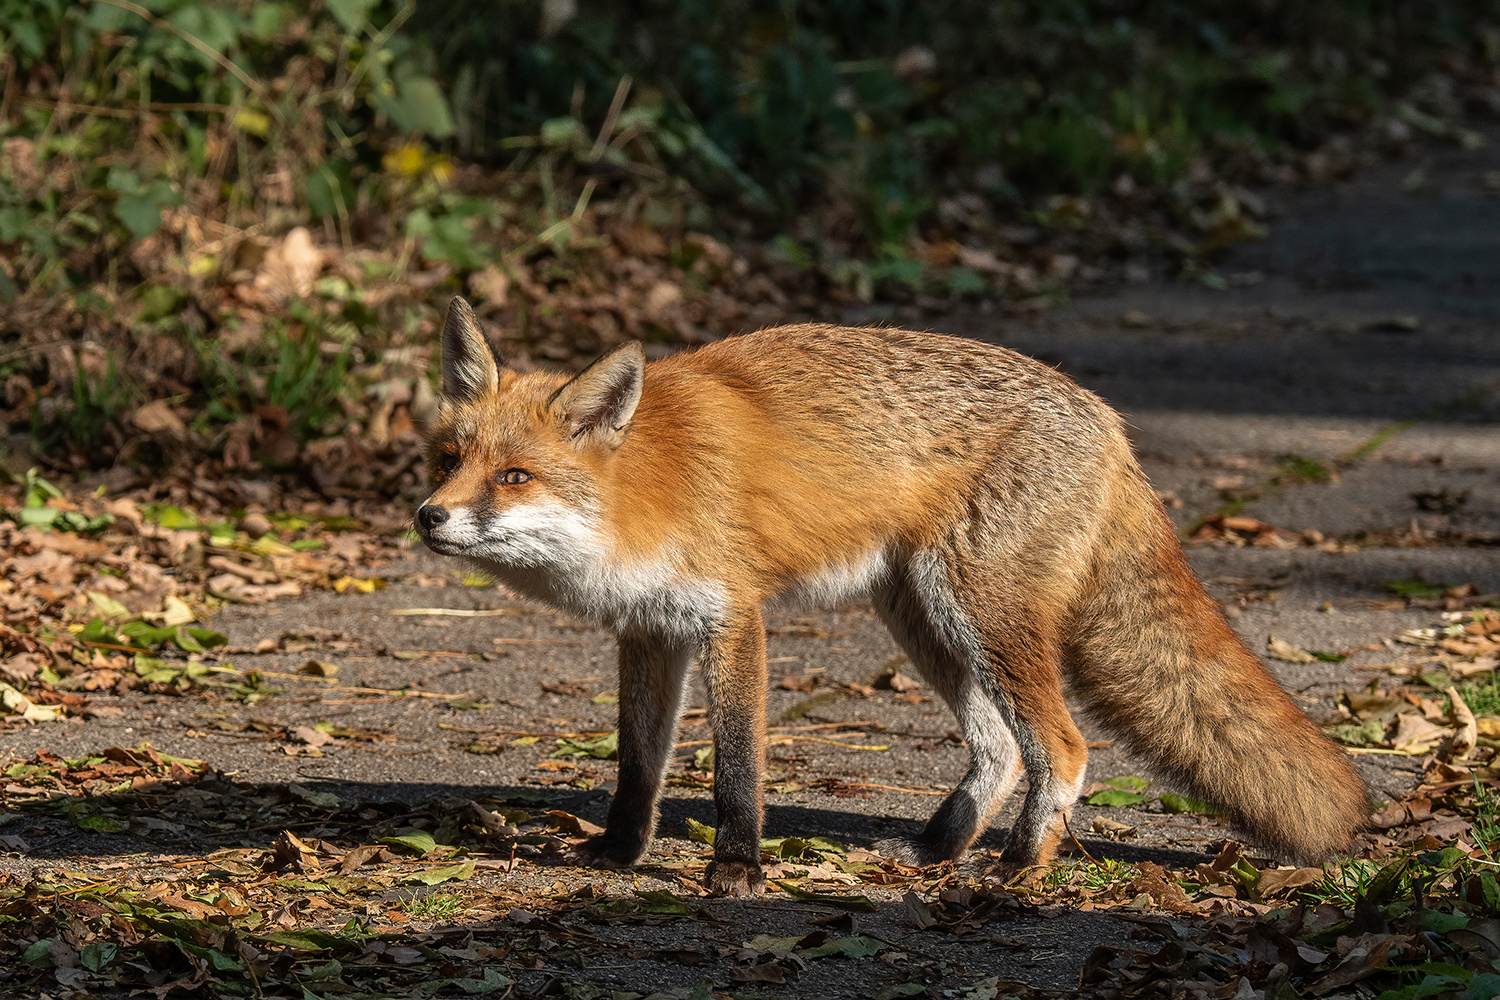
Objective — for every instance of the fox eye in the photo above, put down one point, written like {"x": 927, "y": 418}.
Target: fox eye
{"x": 513, "y": 477}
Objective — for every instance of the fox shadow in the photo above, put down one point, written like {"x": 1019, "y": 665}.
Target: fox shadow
{"x": 216, "y": 813}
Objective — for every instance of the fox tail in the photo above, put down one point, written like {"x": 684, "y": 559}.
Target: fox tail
{"x": 1158, "y": 666}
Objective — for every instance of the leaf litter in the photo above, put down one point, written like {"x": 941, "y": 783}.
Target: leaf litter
{"x": 261, "y": 887}
{"x": 264, "y": 887}
{"x": 103, "y": 597}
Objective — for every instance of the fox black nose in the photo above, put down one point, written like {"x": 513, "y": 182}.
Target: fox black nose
{"x": 430, "y": 516}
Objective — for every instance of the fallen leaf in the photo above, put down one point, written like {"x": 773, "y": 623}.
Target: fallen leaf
{"x": 575, "y": 826}
{"x": 1280, "y": 649}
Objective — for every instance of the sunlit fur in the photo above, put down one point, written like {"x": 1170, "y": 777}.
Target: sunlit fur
{"x": 989, "y": 507}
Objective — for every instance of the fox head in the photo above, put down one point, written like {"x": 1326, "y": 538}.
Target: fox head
{"x": 517, "y": 461}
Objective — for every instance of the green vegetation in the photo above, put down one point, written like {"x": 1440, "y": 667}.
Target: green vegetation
{"x": 292, "y": 368}
{"x": 1416, "y": 588}
{"x": 1089, "y": 875}
{"x": 591, "y": 172}
{"x": 1483, "y": 698}
{"x": 437, "y": 907}
{"x": 1300, "y": 469}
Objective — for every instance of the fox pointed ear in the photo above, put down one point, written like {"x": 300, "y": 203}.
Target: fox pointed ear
{"x": 600, "y": 400}
{"x": 471, "y": 365}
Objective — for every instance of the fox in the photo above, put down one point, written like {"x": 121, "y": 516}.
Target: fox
{"x": 990, "y": 508}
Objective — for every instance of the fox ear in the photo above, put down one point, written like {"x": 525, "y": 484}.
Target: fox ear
{"x": 471, "y": 365}
{"x": 601, "y": 399}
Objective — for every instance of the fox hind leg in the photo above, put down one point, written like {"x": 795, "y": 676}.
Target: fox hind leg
{"x": 1054, "y": 754}
{"x": 931, "y": 642}
{"x": 998, "y": 666}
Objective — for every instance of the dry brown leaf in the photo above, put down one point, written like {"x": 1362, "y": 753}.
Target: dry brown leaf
{"x": 1280, "y": 649}
{"x": 156, "y": 417}
{"x": 290, "y": 268}
{"x": 1466, "y": 731}
{"x": 572, "y": 825}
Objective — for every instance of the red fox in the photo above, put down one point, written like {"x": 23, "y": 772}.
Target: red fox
{"x": 990, "y": 507}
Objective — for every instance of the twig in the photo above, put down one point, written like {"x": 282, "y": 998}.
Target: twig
{"x": 401, "y": 694}
{"x": 775, "y": 730}
{"x": 1078, "y": 843}
{"x": 456, "y": 612}
{"x": 521, "y": 732}
{"x": 537, "y": 642}
{"x": 780, "y": 740}
{"x": 297, "y": 677}
{"x": 377, "y": 44}
{"x": 893, "y": 788}
{"x": 610, "y": 118}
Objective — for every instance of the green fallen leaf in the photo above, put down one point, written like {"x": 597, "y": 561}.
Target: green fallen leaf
{"x": 1174, "y": 803}
{"x": 1129, "y": 782}
{"x": 460, "y": 872}
{"x": 774, "y": 944}
{"x": 416, "y": 841}
{"x": 1416, "y": 589}
{"x": 39, "y": 954}
{"x": 107, "y": 606}
{"x": 97, "y": 954}
{"x": 492, "y": 982}
{"x": 900, "y": 990}
{"x": 1115, "y": 797}
{"x": 787, "y": 848}
{"x": 663, "y": 901}
{"x": 217, "y": 959}
{"x": 1485, "y": 984}
{"x": 852, "y": 946}
{"x": 606, "y": 747}
{"x": 315, "y": 940}
{"x": 1442, "y": 923}
{"x": 700, "y": 832}
{"x": 98, "y": 824}
{"x": 171, "y": 517}
{"x": 853, "y": 903}
{"x": 1371, "y": 733}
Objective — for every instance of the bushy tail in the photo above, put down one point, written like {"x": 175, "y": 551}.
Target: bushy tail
{"x": 1159, "y": 667}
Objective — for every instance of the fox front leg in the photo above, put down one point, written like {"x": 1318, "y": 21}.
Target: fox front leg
{"x": 653, "y": 670}
{"x": 734, "y": 669}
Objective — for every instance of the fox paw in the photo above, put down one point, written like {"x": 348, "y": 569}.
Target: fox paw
{"x": 914, "y": 852}
{"x": 734, "y": 878}
{"x": 605, "y": 851}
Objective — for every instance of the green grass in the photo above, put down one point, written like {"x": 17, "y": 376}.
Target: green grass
{"x": 303, "y": 369}
{"x": 1348, "y": 882}
{"x": 1482, "y": 698}
{"x": 1486, "y": 827}
{"x": 436, "y": 907}
{"x": 1300, "y": 469}
{"x": 1088, "y": 875}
